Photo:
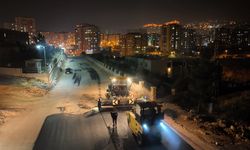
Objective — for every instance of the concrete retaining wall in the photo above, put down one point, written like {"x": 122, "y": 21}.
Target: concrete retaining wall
{"x": 51, "y": 78}
{"x": 54, "y": 72}
{"x": 103, "y": 66}
{"x": 11, "y": 71}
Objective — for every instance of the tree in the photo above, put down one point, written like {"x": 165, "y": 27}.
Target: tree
{"x": 39, "y": 39}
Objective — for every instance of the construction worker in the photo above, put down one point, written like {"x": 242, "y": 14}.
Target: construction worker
{"x": 114, "y": 115}
{"x": 74, "y": 76}
{"x": 99, "y": 104}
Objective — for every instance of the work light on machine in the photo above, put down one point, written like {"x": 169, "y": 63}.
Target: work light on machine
{"x": 114, "y": 80}
{"x": 129, "y": 80}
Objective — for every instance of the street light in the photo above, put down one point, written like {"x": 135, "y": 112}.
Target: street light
{"x": 39, "y": 47}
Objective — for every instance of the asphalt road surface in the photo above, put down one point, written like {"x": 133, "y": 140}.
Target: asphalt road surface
{"x": 67, "y": 119}
{"x": 93, "y": 130}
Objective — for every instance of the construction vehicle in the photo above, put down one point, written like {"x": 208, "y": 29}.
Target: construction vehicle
{"x": 118, "y": 93}
{"x": 145, "y": 121}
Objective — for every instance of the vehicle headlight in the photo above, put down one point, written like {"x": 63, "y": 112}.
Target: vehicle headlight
{"x": 162, "y": 124}
{"x": 145, "y": 127}
{"x": 114, "y": 80}
{"x": 129, "y": 80}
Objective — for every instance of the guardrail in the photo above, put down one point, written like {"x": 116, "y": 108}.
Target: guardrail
{"x": 55, "y": 70}
{"x": 51, "y": 77}
{"x": 18, "y": 72}
{"x": 102, "y": 65}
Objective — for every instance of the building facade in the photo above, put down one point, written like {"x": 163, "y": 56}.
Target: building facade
{"x": 152, "y": 28}
{"x": 110, "y": 40}
{"x": 87, "y": 38}
{"x": 222, "y": 38}
{"x": 232, "y": 39}
{"x": 14, "y": 37}
{"x": 153, "y": 33}
{"x": 240, "y": 38}
{"x": 133, "y": 43}
{"x": 188, "y": 43}
{"x": 154, "y": 41}
{"x": 170, "y": 40}
{"x": 60, "y": 39}
{"x": 25, "y": 24}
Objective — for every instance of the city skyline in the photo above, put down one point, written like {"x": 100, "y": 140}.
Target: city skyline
{"x": 124, "y": 74}
{"x": 119, "y": 16}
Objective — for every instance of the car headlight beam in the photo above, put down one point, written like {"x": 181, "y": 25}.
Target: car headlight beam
{"x": 145, "y": 127}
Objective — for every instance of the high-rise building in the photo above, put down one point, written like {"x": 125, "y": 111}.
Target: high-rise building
{"x": 154, "y": 41}
{"x": 87, "y": 38}
{"x": 240, "y": 38}
{"x": 222, "y": 38}
{"x": 188, "y": 43}
{"x": 170, "y": 37}
{"x": 232, "y": 38}
{"x": 14, "y": 37}
{"x": 205, "y": 32}
{"x": 133, "y": 43}
{"x": 60, "y": 39}
{"x": 25, "y": 24}
{"x": 152, "y": 28}
{"x": 110, "y": 40}
{"x": 154, "y": 34}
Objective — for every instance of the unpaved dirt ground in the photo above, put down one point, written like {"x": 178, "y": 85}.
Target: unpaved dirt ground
{"x": 17, "y": 94}
{"x": 198, "y": 133}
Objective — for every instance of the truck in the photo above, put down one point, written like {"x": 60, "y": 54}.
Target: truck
{"x": 145, "y": 121}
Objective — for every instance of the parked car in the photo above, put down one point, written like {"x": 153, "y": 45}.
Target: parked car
{"x": 68, "y": 71}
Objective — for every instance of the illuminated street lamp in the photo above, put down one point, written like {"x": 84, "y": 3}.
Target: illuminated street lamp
{"x": 39, "y": 47}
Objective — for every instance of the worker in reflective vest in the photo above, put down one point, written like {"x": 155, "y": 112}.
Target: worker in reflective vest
{"x": 114, "y": 115}
{"x": 99, "y": 104}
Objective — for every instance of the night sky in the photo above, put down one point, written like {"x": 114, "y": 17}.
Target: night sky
{"x": 118, "y": 15}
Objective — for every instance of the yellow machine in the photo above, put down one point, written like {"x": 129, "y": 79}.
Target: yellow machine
{"x": 118, "y": 93}
{"x": 144, "y": 121}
